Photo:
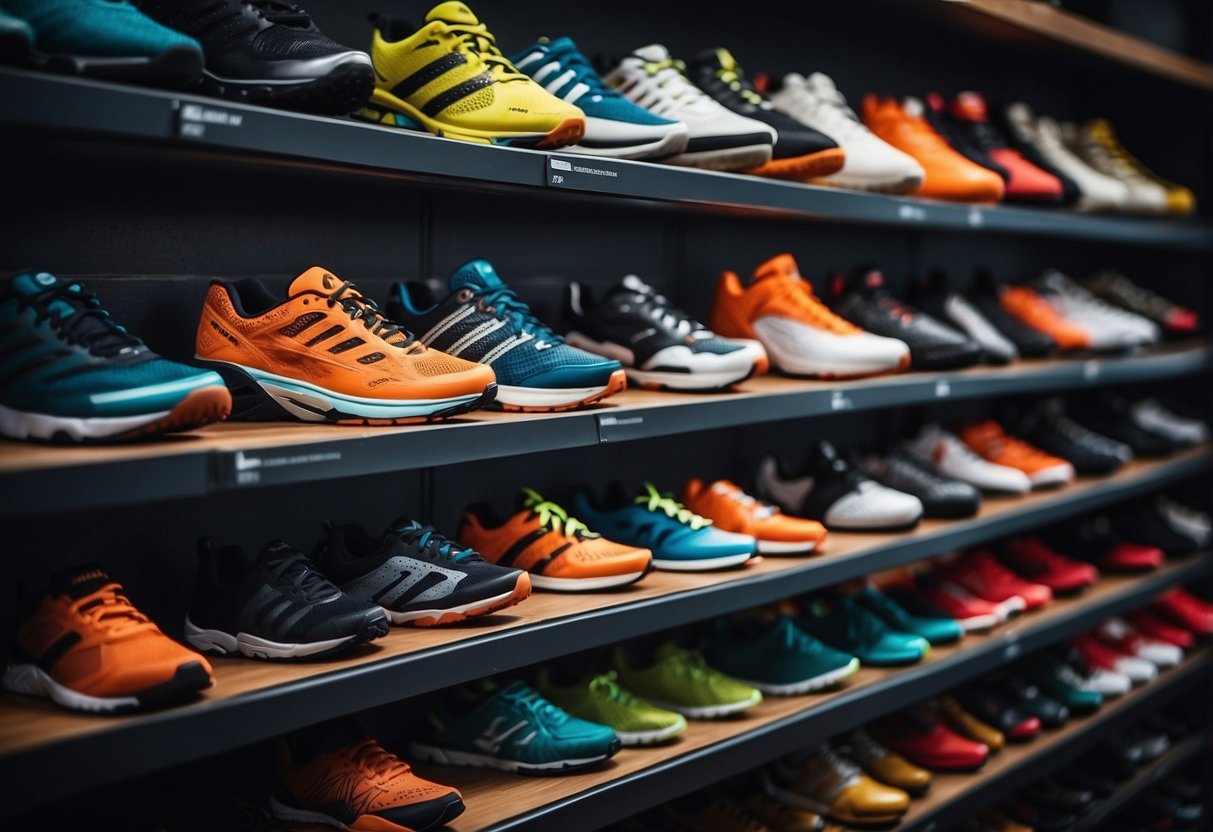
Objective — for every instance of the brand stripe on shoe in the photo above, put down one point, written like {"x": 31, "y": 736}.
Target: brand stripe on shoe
{"x": 520, "y": 546}
{"x": 324, "y": 336}
{"x": 56, "y": 651}
{"x": 457, "y": 93}
{"x": 430, "y": 72}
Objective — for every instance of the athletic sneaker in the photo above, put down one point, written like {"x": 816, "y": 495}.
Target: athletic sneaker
{"x": 417, "y": 575}
{"x": 941, "y": 497}
{"x": 936, "y": 296}
{"x": 1101, "y": 655}
{"x": 68, "y": 372}
{"x": 560, "y": 552}
{"x": 933, "y": 597}
{"x": 1119, "y": 633}
{"x": 871, "y": 164}
{"x": 1179, "y": 200}
{"x": 614, "y": 126}
{"x": 718, "y": 138}
{"x": 936, "y": 629}
{"x": 679, "y": 539}
{"x": 510, "y": 728}
{"x": 800, "y": 333}
{"x": 1194, "y": 524}
{"x": 832, "y": 492}
{"x": 985, "y": 297}
{"x": 274, "y": 605}
{"x": 1050, "y": 428}
{"x": 17, "y": 41}
{"x": 1109, "y": 327}
{"x": 990, "y": 441}
{"x": 682, "y": 680}
{"x": 1031, "y": 309}
{"x": 660, "y": 347}
{"x": 483, "y": 320}
{"x": 1096, "y": 144}
{"x": 1183, "y": 608}
{"x": 1154, "y": 416}
{"x": 1036, "y": 561}
{"x": 731, "y": 509}
{"x": 269, "y": 52}
{"x": 1152, "y": 626}
{"x": 450, "y": 79}
{"x": 1111, "y": 415}
{"x": 776, "y": 656}
{"x": 1096, "y": 540}
{"x": 601, "y": 699}
{"x": 864, "y": 300}
{"x": 800, "y": 153}
{"x": 1113, "y": 287}
{"x": 921, "y": 738}
{"x": 358, "y": 785}
{"x": 951, "y": 457}
{"x": 1063, "y": 682}
{"x": 982, "y": 574}
{"x": 87, "y": 648}
{"x": 846, "y": 625}
{"x": 1145, "y": 522}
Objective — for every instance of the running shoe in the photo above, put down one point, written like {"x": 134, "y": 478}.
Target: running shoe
{"x": 69, "y": 373}
{"x": 1105, "y": 681}
{"x": 1047, "y": 426}
{"x": 936, "y": 629}
{"x": 660, "y": 347}
{"x": 16, "y": 40}
{"x": 991, "y": 442}
{"x": 1119, "y": 634}
{"x": 1031, "y": 309}
{"x": 985, "y": 297}
{"x": 510, "y": 728}
{"x": 269, "y": 52}
{"x": 614, "y": 126}
{"x": 871, "y": 163}
{"x": 864, "y": 300}
{"x": 922, "y": 739}
{"x": 1036, "y": 561}
{"x": 1096, "y": 144}
{"x": 776, "y": 656}
{"x": 108, "y": 39}
{"x": 1110, "y": 328}
{"x": 1030, "y": 698}
{"x": 936, "y": 296}
{"x": 680, "y": 539}
{"x": 717, "y": 137}
{"x": 934, "y": 598}
{"x": 358, "y": 785}
{"x": 274, "y": 605}
{"x": 450, "y": 79}
{"x": 681, "y": 680}
{"x": 828, "y": 489}
{"x": 800, "y": 153}
{"x": 603, "y": 700}
{"x": 1143, "y": 522}
{"x": 1095, "y": 539}
{"x": 326, "y": 354}
{"x": 982, "y": 574}
{"x": 1062, "y": 682}
{"x": 731, "y": 509}
{"x": 87, "y": 648}
{"x": 1153, "y": 626}
{"x": 821, "y": 780}
{"x": 1103, "y": 656}
{"x": 846, "y": 625}
{"x": 1111, "y": 415}
{"x": 999, "y": 709}
{"x": 941, "y": 497}
{"x": 484, "y": 321}
{"x": 1187, "y": 610}
{"x": 560, "y": 552}
{"x": 1113, "y": 287}
{"x": 1179, "y": 200}
{"x": 884, "y": 765}
{"x": 950, "y": 457}
{"x": 800, "y": 333}
{"x": 1155, "y": 416}
{"x": 417, "y": 575}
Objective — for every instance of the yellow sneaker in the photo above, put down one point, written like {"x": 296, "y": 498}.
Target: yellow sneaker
{"x": 450, "y": 79}
{"x": 1180, "y": 200}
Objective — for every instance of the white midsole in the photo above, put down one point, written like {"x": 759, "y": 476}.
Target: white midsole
{"x": 217, "y": 641}
{"x": 31, "y": 680}
{"x": 1057, "y": 475}
{"x": 413, "y": 615}
{"x": 725, "y": 158}
{"x": 806, "y": 685}
{"x": 545, "y": 396}
{"x": 451, "y": 757}
{"x": 701, "y": 564}
{"x": 703, "y": 711}
{"x": 667, "y": 145}
{"x": 20, "y": 424}
{"x": 692, "y": 380}
{"x": 786, "y": 547}
{"x": 583, "y": 584}
{"x": 651, "y": 737}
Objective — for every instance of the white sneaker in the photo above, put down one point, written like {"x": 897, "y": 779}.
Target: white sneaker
{"x": 1110, "y": 327}
{"x": 1158, "y": 653}
{"x": 952, "y": 458}
{"x": 958, "y": 311}
{"x": 718, "y": 138}
{"x": 1151, "y": 415}
{"x": 1145, "y": 195}
{"x": 872, "y": 164}
{"x": 1110, "y": 683}
{"x": 1187, "y": 521}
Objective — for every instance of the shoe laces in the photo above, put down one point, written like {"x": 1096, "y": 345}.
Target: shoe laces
{"x": 544, "y": 711}
{"x": 281, "y": 12}
{"x": 607, "y": 685}
{"x": 654, "y": 500}
{"x": 669, "y": 76}
{"x": 692, "y": 663}
{"x": 433, "y": 543}
{"x": 377, "y": 762}
{"x": 297, "y": 570}
{"x": 108, "y": 609}
{"x": 477, "y": 39}
{"x": 756, "y": 507}
{"x": 553, "y": 516}
{"x": 845, "y": 768}
{"x": 505, "y": 303}
{"x": 738, "y": 83}
{"x": 799, "y": 294}
{"x": 361, "y": 308}
{"x": 659, "y": 308}
{"x": 80, "y": 319}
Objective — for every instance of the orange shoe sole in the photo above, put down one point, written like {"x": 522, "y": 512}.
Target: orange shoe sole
{"x": 203, "y": 406}
{"x": 570, "y": 131}
{"x": 800, "y": 168}
{"x": 617, "y": 384}
{"x": 522, "y": 591}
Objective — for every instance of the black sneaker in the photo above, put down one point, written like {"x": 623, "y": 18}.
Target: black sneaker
{"x": 944, "y": 498}
{"x": 800, "y": 152}
{"x": 1029, "y": 342}
{"x": 1059, "y": 796}
{"x": 936, "y": 296}
{"x": 417, "y": 575}
{"x": 971, "y": 143}
{"x": 1095, "y": 540}
{"x": 269, "y": 52}
{"x": 1112, "y": 286}
{"x": 275, "y": 605}
{"x": 864, "y": 300}
{"x": 831, "y": 491}
{"x": 999, "y": 710}
{"x": 1111, "y": 415}
{"x": 659, "y": 346}
{"x": 1051, "y": 713}
{"x": 1143, "y": 523}
{"x": 1050, "y": 428}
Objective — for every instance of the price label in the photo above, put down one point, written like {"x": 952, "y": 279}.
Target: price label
{"x": 841, "y": 401}
{"x": 942, "y": 389}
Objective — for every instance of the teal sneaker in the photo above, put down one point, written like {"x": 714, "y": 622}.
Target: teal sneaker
{"x": 1062, "y": 682}
{"x": 510, "y": 728}
{"x": 681, "y": 680}
{"x": 603, "y": 700}
{"x": 845, "y": 625}
{"x": 937, "y": 631}
{"x": 777, "y": 657}
{"x": 16, "y": 40}
{"x": 108, "y": 39}
{"x": 69, "y": 373}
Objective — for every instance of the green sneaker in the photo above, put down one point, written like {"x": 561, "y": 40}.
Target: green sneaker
{"x": 935, "y": 630}
{"x": 777, "y": 657}
{"x": 682, "y": 681}
{"x": 511, "y": 728}
{"x": 603, "y": 700}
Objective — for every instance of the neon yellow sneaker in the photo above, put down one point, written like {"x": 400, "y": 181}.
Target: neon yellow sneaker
{"x": 603, "y": 700}
{"x": 449, "y": 78}
{"x": 680, "y": 680}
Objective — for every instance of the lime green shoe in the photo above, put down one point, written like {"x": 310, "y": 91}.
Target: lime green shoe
{"x": 603, "y": 700}
{"x": 682, "y": 681}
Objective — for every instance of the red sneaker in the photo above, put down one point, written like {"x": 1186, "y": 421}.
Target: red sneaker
{"x": 1185, "y": 609}
{"x": 982, "y": 574}
{"x": 1101, "y": 655}
{"x": 1025, "y": 182}
{"x": 1032, "y": 558}
{"x": 1119, "y": 634}
{"x": 925, "y": 741}
{"x": 1132, "y": 557}
{"x": 973, "y": 613}
{"x": 1151, "y": 626}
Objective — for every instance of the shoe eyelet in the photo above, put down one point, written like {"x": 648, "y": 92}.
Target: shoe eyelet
{"x": 466, "y": 295}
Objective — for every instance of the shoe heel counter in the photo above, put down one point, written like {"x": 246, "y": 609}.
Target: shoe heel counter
{"x": 212, "y": 337}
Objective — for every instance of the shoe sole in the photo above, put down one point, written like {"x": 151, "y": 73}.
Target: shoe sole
{"x": 801, "y": 802}
{"x": 219, "y": 643}
{"x": 733, "y": 159}
{"x": 362, "y": 823}
{"x": 801, "y": 168}
{"x": 904, "y": 185}
{"x": 633, "y": 739}
{"x": 702, "y": 564}
{"x": 174, "y": 68}
{"x": 787, "y": 547}
{"x": 30, "y": 680}
{"x": 483, "y": 606}
{"x": 343, "y": 90}
{"x": 384, "y": 108}
{"x": 669, "y": 145}
{"x": 534, "y": 400}
{"x": 704, "y": 711}
{"x": 451, "y": 757}
{"x": 586, "y": 584}
{"x": 800, "y": 366}
{"x": 820, "y": 682}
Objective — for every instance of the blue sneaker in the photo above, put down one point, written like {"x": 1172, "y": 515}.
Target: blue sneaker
{"x": 108, "y": 39}
{"x": 483, "y": 320}
{"x": 777, "y": 657}
{"x": 68, "y": 372}
{"x": 614, "y": 126}
{"x": 679, "y": 539}
{"x": 845, "y": 624}
{"x": 16, "y": 40}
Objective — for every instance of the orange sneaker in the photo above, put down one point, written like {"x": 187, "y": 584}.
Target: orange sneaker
{"x": 949, "y": 175}
{"x": 361, "y": 787}
{"x": 326, "y": 354}
{"x": 559, "y": 551}
{"x": 87, "y": 648}
{"x": 801, "y": 335}
{"x": 731, "y": 509}
{"x": 989, "y": 441}
{"x": 1028, "y": 307}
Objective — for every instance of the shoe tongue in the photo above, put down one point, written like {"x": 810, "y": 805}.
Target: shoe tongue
{"x": 720, "y": 60}
{"x": 316, "y": 280}
{"x": 970, "y": 106}
{"x": 79, "y": 581}
{"x": 477, "y": 275}
{"x": 653, "y": 53}
{"x": 779, "y": 266}
{"x": 452, "y": 13}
